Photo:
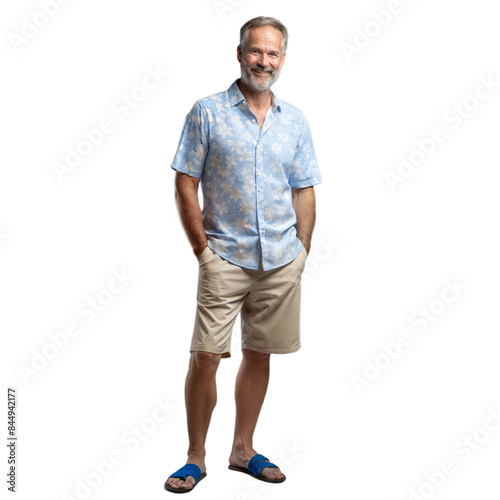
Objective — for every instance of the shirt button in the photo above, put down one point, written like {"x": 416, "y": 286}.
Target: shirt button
{"x": 259, "y": 190}
{"x": 253, "y": 120}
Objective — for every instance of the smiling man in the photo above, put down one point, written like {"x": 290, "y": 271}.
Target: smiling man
{"x": 254, "y": 156}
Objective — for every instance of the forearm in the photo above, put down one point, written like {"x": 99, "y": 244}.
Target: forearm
{"x": 190, "y": 214}
{"x": 304, "y": 204}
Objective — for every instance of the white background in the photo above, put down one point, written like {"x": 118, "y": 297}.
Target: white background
{"x": 378, "y": 254}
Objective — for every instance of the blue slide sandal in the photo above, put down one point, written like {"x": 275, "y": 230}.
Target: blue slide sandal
{"x": 256, "y": 465}
{"x": 188, "y": 470}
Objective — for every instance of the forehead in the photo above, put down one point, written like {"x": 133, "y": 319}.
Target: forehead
{"x": 267, "y": 37}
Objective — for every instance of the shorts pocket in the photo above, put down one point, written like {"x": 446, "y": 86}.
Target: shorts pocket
{"x": 203, "y": 255}
{"x": 304, "y": 258}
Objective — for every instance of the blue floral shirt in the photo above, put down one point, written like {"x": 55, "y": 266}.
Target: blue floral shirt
{"x": 247, "y": 176}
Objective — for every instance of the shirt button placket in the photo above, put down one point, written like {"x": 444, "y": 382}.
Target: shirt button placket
{"x": 260, "y": 216}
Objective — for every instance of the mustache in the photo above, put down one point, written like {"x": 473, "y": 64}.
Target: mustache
{"x": 257, "y": 67}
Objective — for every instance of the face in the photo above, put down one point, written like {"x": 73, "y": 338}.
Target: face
{"x": 261, "y": 60}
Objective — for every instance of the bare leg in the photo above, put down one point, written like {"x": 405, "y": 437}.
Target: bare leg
{"x": 201, "y": 397}
{"x": 251, "y": 388}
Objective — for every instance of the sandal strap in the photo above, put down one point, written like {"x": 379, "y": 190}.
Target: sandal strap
{"x": 258, "y": 463}
{"x": 188, "y": 470}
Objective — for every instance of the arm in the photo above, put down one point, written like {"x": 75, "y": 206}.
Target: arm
{"x": 186, "y": 197}
{"x": 304, "y": 204}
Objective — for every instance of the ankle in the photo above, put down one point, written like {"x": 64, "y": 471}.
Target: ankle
{"x": 242, "y": 447}
{"x": 196, "y": 455}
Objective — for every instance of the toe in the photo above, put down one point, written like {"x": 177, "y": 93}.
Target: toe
{"x": 188, "y": 484}
{"x": 273, "y": 473}
{"x": 277, "y": 474}
{"x": 172, "y": 482}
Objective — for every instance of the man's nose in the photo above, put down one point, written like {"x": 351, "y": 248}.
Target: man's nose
{"x": 263, "y": 60}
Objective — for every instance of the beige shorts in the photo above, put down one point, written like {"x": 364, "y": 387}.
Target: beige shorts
{"x": 269, "y": 302}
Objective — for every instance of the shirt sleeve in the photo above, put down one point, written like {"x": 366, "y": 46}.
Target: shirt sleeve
{"x": 304, "y": 170}
{"x": 193, "y": 145}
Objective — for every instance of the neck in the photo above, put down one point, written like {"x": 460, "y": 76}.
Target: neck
{"x": 257, "y": 99}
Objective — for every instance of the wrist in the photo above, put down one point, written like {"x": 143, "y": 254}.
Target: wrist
{"x": 198, "y": 250}
{"x": 306, "y": 243}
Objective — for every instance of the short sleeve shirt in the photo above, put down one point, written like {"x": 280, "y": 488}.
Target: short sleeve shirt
{"x": 247, "y": 175}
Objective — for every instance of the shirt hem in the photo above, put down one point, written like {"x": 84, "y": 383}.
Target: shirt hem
{"x": 257, "y": 268}
{"x": 229, "y": 260}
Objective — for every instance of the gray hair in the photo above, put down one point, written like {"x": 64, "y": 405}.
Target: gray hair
{"x": 264, "y": 21}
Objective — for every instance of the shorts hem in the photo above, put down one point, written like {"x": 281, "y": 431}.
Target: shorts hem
{"x": 273, "y": 350}
{"x": 224, "y": 354}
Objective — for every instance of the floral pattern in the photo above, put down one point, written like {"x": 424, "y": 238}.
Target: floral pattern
{"x": 247, "y": 175}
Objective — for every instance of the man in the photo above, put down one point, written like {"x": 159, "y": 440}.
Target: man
{"x": 254, "y": 155}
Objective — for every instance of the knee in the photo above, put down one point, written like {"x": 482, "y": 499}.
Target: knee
{"x": 206, "y": 362}
{"x": 261, "y": 358}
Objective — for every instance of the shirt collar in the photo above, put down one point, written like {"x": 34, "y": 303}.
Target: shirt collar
{"x": 235, "y": 96}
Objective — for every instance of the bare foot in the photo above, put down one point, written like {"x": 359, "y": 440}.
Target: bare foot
{"x": 240, "y": 458}
{"x": 189, "y": 482}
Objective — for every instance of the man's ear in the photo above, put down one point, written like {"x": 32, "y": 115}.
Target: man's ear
{"x": 283, "y": 60}
{"x": 239, "y": 53}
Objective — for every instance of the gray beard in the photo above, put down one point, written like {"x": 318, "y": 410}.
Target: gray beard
{"x": 251, "y": 80}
